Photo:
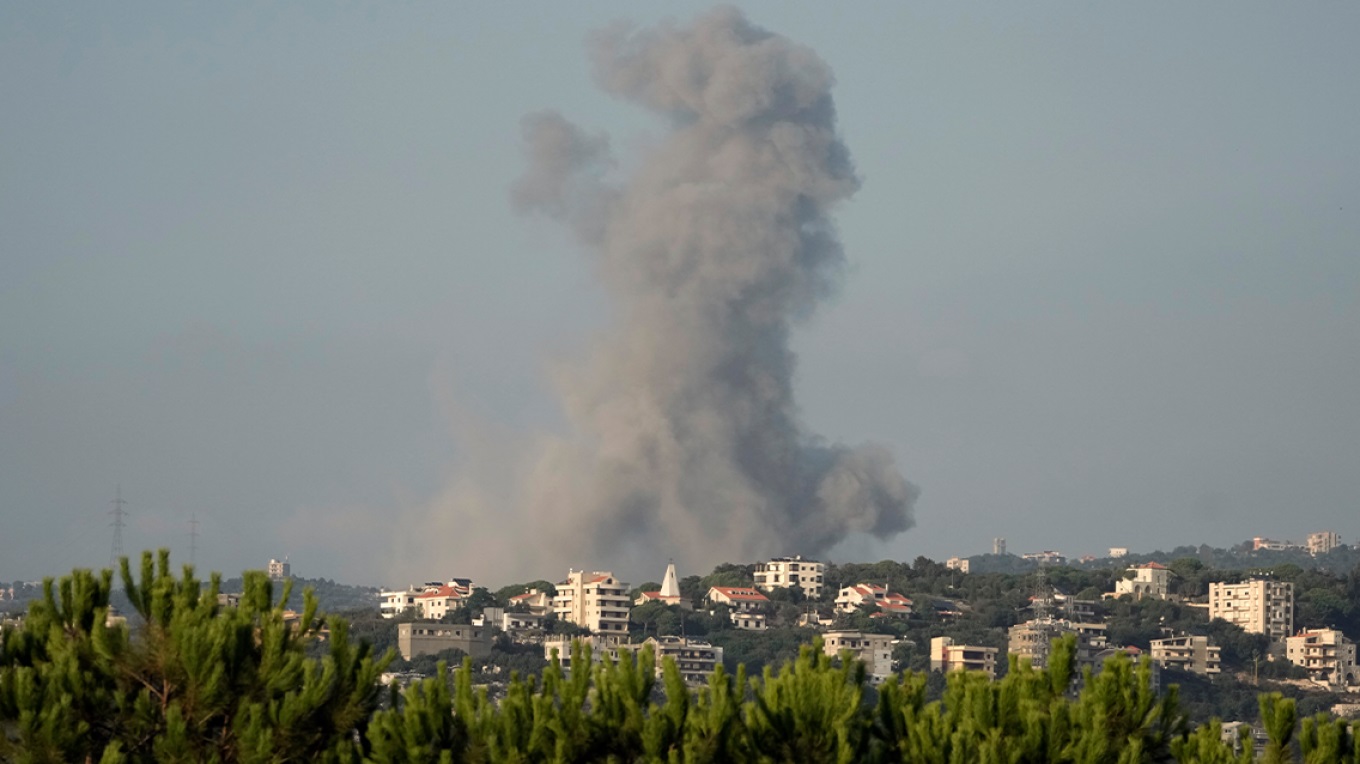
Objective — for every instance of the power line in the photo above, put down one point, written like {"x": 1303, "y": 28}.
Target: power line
{"x": 118, "y": 514}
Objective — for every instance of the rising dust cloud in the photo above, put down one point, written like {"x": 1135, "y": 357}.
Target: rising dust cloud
{"x": 684, "y": 439}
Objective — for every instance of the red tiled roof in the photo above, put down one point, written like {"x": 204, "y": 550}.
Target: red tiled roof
{"x": 742, "y": 593}
{"x": 1154, "y": 566}
{"x": 443, "y": 591}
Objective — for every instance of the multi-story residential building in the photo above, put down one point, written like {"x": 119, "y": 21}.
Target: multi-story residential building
{"x": 669, "y": 594}
{"x": 1259, "y": 606}
{"x": 1322, "y": 542}
{"x": 280, "y": 569}
{"x": 946, "y": 656}
{"x": 1033, "y": 640}
{"x": 746, "y": 605}
{"x": 425, "y": 638}
{"x": 1328, "y": 655}
{"x": 1046, "y": 557}
{"x": 1150, "y": 580}
{"x": 788, "y": 572}
{"x": 597, "y": 601}
{"x": 960, "y": 564}
{"x": 998, "y": 546}
{"x": 438, "y": 601}
{"x": 1187, "y": 653}
{"x": 851, "y": 598}
{"x": 874, "y": 649}
{"x": 523, "y": 626}
{"x": 1118, "y": 551}
{"x": 695, "y": 658}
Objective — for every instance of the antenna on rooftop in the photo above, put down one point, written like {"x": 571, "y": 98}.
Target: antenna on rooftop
{"x": 118, "y": 514}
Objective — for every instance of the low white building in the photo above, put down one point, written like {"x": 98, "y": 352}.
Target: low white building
{"x": 1151, "y": 580}
{"x": 874, "y": 649}
{"x": 746, "y": 605}
{"x": 852, "y": 598}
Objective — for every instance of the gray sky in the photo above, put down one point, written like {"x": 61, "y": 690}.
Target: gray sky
{"x": 258, "y": 265}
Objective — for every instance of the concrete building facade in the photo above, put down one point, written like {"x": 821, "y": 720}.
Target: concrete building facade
{"x": 788, "y": 572}
{"x": 1187, "y": 653}
{"x": 1259, "y": 606}
{"x": 874, "y": 649}
{"x": 1033, "y": 640}
{"x": 1327, "y": 654}
{"x": 946, "y": 656}
{"x": 1151, "y": 580}
{"x": 428, "y": 638}
{"x": 597, "y": 601}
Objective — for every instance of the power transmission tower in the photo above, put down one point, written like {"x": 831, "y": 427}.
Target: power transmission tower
{"x": 118, "y": 514}
{"x": 193, "y": 537}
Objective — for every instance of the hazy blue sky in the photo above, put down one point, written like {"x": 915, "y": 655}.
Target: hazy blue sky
{"x": 257, "y": 259}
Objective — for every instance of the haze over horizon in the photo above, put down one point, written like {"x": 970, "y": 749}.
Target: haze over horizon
{"x": 259, "y": 265}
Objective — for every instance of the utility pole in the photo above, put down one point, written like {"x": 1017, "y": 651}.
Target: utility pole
{"x": 118, "y": 514}
{"x": 193, "y": 537}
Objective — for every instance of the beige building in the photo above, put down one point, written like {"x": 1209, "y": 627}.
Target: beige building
{"x": 597, "y": 601}
{"x": 426, "y": 638}
{"x": 946, "y": 656}
{"x": 1328, "y": 655}
{"x": 1033, "y": 640}
{"x": 961, "y": 564}
{"x": 1187, "y": 653}
{"x": 1259, "y": 606}
{"x": 280, "y": 569}
{"x": 1322, "y": 542}
{"x": 1150, "y": 580}
{"x": 438, "y": 601}
{"x": 788, "y": 572}
{"x": 695, "y": 658}
{"x": 874, "y": 649}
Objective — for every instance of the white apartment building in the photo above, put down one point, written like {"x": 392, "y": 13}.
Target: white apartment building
{"x": 788, "y": 572}
{"x": 1323, "y": 542}
{"x": 960, "y": 564}
{"x": 1328, "y": 655}
{"x": 1259, "y": 606}
{"x": 946, "y": 656}
{"x": 1149, "y": 580}
{"x": 597, "y": 601}
{"x": 1187, "y": 653}
{"x": 874, "y": 649}
{"x": 1118, "y": 551}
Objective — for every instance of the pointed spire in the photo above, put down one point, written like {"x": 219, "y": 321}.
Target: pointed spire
{"x": 670, "y": 585}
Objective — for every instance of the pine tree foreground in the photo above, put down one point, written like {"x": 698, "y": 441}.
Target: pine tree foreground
{"x": 199, "y": 682}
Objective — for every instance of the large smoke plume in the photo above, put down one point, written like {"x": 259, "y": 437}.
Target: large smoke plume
{"x": 684, "y": 436}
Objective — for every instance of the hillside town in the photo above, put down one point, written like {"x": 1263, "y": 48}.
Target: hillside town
{"x": 1219, "y": 629}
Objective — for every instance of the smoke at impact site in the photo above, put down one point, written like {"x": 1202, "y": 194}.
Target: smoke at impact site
{"x": 683, "y": 437}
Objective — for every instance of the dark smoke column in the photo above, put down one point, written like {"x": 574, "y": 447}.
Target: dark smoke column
{"x": 686, "y": 438}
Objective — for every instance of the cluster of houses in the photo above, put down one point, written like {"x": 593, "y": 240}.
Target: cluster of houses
{"x": 599, "y": 602}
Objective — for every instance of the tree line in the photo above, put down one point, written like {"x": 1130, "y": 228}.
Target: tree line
{"x": 196, "y": 681}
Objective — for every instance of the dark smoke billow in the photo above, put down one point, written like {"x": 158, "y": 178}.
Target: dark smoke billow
{"x": 685, "y": 440}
